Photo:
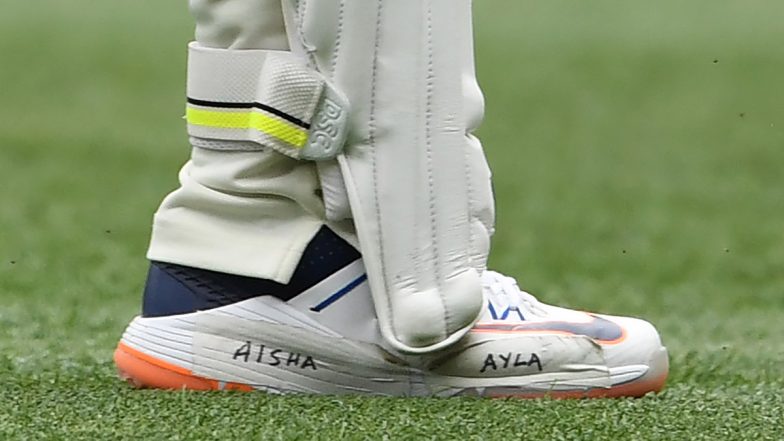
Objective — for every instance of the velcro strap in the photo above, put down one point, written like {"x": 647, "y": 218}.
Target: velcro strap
{"x": 267, "y": 97}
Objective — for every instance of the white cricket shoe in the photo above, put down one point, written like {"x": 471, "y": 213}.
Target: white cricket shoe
{"x": 318, "y": 335}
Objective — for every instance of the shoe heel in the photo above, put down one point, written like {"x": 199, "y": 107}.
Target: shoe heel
{"x": 144, "y": 371}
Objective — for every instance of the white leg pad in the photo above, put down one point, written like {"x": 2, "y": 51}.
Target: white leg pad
{"x": 416, "y": 180}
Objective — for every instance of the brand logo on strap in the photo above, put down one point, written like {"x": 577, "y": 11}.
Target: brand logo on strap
{"x": 327, "y": 127}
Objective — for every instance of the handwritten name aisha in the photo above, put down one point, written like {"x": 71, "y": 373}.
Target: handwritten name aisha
{"x": 261, "y": 354}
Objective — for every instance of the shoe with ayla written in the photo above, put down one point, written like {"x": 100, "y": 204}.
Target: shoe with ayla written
{"x": 318, "y": 334}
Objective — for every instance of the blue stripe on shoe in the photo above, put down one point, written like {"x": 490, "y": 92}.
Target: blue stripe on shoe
{"x": 338, "y": 295}
{"x": 492, "y": 311}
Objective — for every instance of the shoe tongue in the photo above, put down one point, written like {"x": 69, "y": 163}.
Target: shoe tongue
{"x": 505, "y": 300}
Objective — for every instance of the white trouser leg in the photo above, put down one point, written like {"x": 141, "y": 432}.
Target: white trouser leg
{"x": 243, "y": 212}
{"x": 248, "y": 213}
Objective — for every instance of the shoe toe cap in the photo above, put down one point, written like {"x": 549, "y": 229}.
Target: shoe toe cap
{"x": 640, "y": 344}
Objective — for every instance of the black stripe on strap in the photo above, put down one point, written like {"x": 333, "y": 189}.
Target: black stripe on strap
{"x": 264, "y": 107}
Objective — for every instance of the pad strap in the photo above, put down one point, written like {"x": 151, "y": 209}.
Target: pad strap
{"x": 265, "y": 97}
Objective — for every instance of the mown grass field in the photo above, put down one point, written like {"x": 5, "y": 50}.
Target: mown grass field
{"x": 637, "y": 147}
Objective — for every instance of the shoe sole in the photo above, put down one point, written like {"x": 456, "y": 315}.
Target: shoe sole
{"x": 143, "y": 370}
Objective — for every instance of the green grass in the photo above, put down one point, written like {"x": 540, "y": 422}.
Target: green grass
{"x": 637, "y": 148}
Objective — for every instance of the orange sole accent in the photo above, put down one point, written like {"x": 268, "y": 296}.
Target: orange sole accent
{"x": 144, "y": 371}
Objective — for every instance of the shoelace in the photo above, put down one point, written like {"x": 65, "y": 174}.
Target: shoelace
{"x": 505, "y": 291}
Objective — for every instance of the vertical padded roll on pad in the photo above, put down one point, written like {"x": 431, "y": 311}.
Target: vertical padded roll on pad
{"x": 414, "y": 175}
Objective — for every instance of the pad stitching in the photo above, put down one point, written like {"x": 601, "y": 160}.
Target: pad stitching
{"x": 338, "y": 37}
{"x": 302, "y": 10}
{"x": 372, "y": 128}
{"x": 430, "y": 86}
{"x": 470, "y": 190}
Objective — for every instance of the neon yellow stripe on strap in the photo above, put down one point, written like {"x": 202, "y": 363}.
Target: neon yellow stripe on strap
{"x": 249, "y": 120}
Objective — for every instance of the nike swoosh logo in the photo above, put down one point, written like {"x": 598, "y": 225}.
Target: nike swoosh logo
{"x": 598, "y": 329}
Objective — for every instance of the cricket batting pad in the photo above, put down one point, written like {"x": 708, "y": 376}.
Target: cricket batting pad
{"x": 416, "y": 180}
{"x": 383, "y": 95}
